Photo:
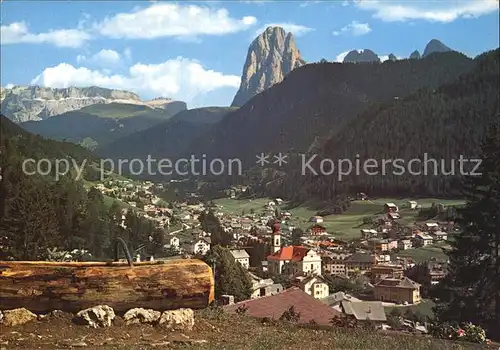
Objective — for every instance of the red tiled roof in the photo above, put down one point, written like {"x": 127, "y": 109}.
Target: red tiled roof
{"x": 293, "y": 253}
{"x": 273, "y": 307}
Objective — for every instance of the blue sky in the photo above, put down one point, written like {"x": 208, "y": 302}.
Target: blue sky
{"x": 195, "y": 51}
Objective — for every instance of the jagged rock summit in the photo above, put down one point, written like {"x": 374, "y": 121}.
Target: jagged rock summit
{"x": 271, "y": 56}
{"x": 435, "y": 46}
{"x": 25, "y": 103}
{"x": 415, "y": 55}
{"x": 361, "y": 56}
{"x": 392, "y": 57}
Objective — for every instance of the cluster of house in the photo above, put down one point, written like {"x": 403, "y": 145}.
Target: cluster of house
{"x": 139, "y": 196}
{"x": 386, "y": 238}
{"x": 305, "y": 267}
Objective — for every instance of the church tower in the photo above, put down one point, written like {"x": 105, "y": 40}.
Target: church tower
{"x": 276, "y": 238}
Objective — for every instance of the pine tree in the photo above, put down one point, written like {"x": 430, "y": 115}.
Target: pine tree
{"x": 230, "y": 277}
{"x": 471, "y": 290}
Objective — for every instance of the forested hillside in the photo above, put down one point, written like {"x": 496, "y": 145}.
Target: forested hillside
{"x": 316, "y": 100}
{"x": 445, "y": 123}
{"x": 37, "y": 212}
{"x": 167, "y": 139}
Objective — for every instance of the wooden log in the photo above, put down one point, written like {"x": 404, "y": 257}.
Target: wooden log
{"x": 43, "y": 286}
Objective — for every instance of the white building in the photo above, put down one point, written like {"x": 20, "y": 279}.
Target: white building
{"x": 423, "y": 239}
{"x": 293, "y": 259}
{"x": 200, "y": 246}
{"x": 242, "y": 257}
{"x": 314, "y": 285}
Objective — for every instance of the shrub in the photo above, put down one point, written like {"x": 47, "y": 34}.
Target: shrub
{"x": 468, "y": 332}
{"x": 242, "y": 309}
{"x": 290, "y": 315}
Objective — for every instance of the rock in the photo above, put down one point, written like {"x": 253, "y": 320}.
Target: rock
{"x": 140, "y": 315}
{"x": 415, "y": 55}
{"x": 161, "y": 344}
{"x": 17, "y": 317}
{"x": 435, "y": 46}
{"x": 361, "y": 56}
{"x": 97, "y": 316}
{"x": 271, "y": 56}
{"x": 181, "y": 319}
{"x": 1, "y": 316}
{"x": 25, "y": 103}
{"x": 77, "y": 344}
{"x": 392, "y": 57}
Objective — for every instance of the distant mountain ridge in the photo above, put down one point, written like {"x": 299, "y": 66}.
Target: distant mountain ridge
{"x": 271, "y": 56}
{"x": 314, "y": 102}
{"x": 99, "y": 124}
{"x": 366, "y": 55}
{"x": 25, "y": 103}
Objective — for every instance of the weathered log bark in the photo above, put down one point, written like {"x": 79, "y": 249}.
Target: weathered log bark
{"x": 43, "y": 286}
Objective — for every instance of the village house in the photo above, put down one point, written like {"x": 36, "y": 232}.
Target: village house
{"x": 437, "y": 271}
{"x": 369, "y": 311}
{"x": 381, "y": 245}
{"x": 404, "y": 244}
{"x": 431, "y": 226}
{"x": 317, "y": 230}
{"x": 335, "y": 300}
{"x": 359, "y": 263}
{"x": 314, "y": 285}
{"x": 173, "y": 242}
{"x": 368, "y": 233}
{"x": 412, "y": 205}
{"x": 400, "y": 291}
{"x": 439, "y": 236}
{"x": 242, "y": 257}
{"x": 246, "y": 224}
{"x": 423, "y": 239}
{"x": 200, "y": 246}
{"x": 272, "y": 307}
{"x": 316, "y": 219}
{"x": 333, "y": 266}
{"x": 393, "y": 216}
{"x": 263, "y": 287}
{"x": 383, "y": 271}
{"x": 292, "y": 259}
{"x": 391, "y": 208}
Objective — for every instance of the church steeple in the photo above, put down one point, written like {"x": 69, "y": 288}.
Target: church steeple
{"x": 276, "y": 237}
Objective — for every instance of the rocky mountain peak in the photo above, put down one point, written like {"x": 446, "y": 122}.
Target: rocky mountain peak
{"x": 392, "y": 57}
{"x": 415, "y": 55}
{"x": 435, "y": 46}
{"x": 361, "y": 56}
{"x": 25, "y": 103}
{"x": 271, "y": 56}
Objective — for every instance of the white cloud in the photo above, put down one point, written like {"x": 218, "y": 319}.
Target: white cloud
{"x": 103, "y": 58}
{"x": 434, "y": 11}
{"x": 296, "y": 29}
{"x": 179, "y": 78}
{"x": 307, "y": 3}
{"x": 345, "y": 3}
{"x": 354, "y": 28}
{"x": 18, "y": 32}
{"x": 172, "y": 20}
{"x": 9, "y": 86}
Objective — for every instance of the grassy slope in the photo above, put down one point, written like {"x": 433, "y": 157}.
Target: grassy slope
{"x": 123, "y": 110}
{"x": 247, "y": 333}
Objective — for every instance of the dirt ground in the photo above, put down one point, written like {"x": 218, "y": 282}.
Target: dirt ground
{"x": 59, "y": 332}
